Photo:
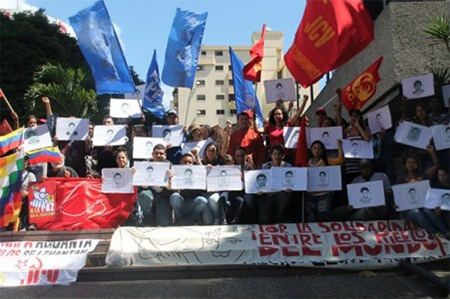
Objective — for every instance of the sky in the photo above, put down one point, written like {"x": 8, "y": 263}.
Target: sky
{"x": 144, "y": 25}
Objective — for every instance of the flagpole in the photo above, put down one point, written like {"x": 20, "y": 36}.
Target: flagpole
{"x": 187, "y": 110}
{"x": 334, "y": 97}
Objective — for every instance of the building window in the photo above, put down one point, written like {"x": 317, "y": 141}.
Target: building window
{"x": 200, "y": 67}
{"x": 218, "y": 53}
{"x": 233, "y": 112}
{"x": 231, "y": 97}
{"x": 204, "y": 53}
{"x": 200, "y": 82}
{"x": 201, "y": 97}
{"x": 219, "y": 67}
{"x": 220, "y": 82}
{"x": 220, "y": 97}
{"x": 201, "y": 112}
{"x": 220, "y": 112}
{"x": 230, "y": 82}
{"x": 229, "y": 67}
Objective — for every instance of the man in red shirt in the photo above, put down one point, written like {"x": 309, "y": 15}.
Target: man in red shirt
{"x": 248, "y": 138}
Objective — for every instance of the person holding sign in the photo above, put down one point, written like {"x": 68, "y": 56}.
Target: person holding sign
{"x": 441, "y": 180}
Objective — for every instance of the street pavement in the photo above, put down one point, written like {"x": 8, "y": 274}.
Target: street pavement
{"x": 352, "y": 284}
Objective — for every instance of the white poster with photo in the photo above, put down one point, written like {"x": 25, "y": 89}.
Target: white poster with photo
{"x": 358, "y": 149}
{"x": 110, "y": 135}
{"x": 151, "y": 173}
{"x": 290, "y": 136}
{"x": 36, "y": 138}
{"x": 171, "y": 134}
{"x": 380, "y": 118}
{"x": 198, "y": 145}
{"x": 365, "y": 195}
{"x": 413, "y": 134}
{"x": 189, "y": 177}
{"x": 326, "y": 178}
{"x": 124, "y": 108}
{"x": 293, "y": 178}
{"x": 257, "y": 181}
{"x": 438, "y": 198}
{"x": 410, "y": 196}
{"x": 117, "y": 180}
{"x": 418, "y": 87}
{"x": 282, "y": 89}
{"x": 328, "y": 136}
{"x": 441, "y": 136}
{"x": 224, "y": 178}
{"x": 446, "y": 95}
{"x": 143, "y": 146}
{"x": 72, "y": 128}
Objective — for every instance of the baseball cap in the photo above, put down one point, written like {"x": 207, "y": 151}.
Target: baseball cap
{"x": 321, "y": 110}
{"x": 173, "y": 111}
{"x": 363, "y": 162}
{"x": 248, "y": 112}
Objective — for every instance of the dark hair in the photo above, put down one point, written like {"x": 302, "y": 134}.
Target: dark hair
{"x": 159, "y": 146}
{"x": 358, "y": 112}
{"x": 272, "y": 117}
{"x": 122, "y": 150}
{"x": 278, "y": 84}
{"x": 240, "y": 148}
{"x": 277, "y": 147}
{"x": 416, "y": 158}
{"x": 261, "y": 175}
{"x": 417, "y": 81}
{"x": 324, "y": 154}
{"x": 288, "y": 172}
{"x": 29, "y": 117}
{"x": 322, "y": 172}
{"x": 325, "y": 132}
{"x": 364, "y": 189}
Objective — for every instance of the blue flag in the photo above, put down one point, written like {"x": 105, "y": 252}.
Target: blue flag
{"x": 243, "y": 90}
{"x": 98, "y": 42}
{"x": 153, "y": 94}
{"x": 183, "y": 48}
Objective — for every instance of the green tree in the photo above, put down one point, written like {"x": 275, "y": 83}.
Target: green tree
{"x": 66, "y": 89}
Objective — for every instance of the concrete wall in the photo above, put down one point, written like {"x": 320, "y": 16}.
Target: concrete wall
{"x": 407, "y": 50}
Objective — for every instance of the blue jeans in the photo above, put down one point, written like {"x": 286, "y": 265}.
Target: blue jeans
{"x": 426, "y": 219}
{"x": 316, "y": 205}
{"x": 187, "y": 210}
{"x": 214, "y": 210}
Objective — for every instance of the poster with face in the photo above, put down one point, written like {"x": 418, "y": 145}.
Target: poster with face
{"x": 413, "y": 134}
{"x": 257, "y": 181}
{"x": 117, "y": 180}
{"x": 171, "y": 134}
{"x": 189, "y": 177}
{"x": 151, "y": 173}
{"x": 438, "y": 198}
{"x": 124, "y": 108}
{"x": 72, "y": 128}
{"x": 327, "y": 178}
{"x": 359, "y": 149}
{"x": 380, "y": 118}
{"x": 293, "y": 178}
{"x": 143, "y": 146}
{"x": 198, "y": 145}
{"x": 36, "y": 138}
{"x": 282, "y": 89}
{"x": 290, "y": 136}
{"x": 411, "y": 195}
{"x": 418, "y": 87}
{"x": 327, "y": 136}
{"x": 367, "y": 194}
{"x": 224, "y": 178}
{"x": 109, "y": 135}
{"x": 446, "y": 95}
{"x": 441, "y": 136}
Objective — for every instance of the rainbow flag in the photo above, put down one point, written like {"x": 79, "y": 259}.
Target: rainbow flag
{"x": 11, "y": 141}
{"x": 11, "y": 168}
{"x": 44, "y": 155}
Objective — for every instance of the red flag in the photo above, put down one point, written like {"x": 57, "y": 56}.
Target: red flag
{"x": 5, "y": 128}
{"x": 361, "y": 89}
{"x": 301, "y": 153}
{"x": 252, "y": 70}
{"x": 331, "y": 33}
{"x": 1, "y": 93}
{"x": 77, "y": 203}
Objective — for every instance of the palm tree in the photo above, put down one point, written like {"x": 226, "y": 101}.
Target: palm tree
{"x": 65, "y": 88}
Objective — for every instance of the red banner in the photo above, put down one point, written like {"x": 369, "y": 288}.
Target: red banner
{"x": 361, "y": 89}
{"x": 331, "y": 33}
{"x": 76, "y": 203}
{"x": 5, "y": 128}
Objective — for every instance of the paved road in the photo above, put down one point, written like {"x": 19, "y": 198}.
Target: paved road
{"x": 396, "y": 284}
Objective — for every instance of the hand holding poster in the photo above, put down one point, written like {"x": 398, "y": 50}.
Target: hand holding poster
{"x": 257, "y": 181}
{"x": 413, "y": 135}
{"x": 36, "y": 138}
{"x": 151, "y": 173}
{"x": 282, "y": 89}
{"x": 410, "y": 196}
{"x": 189, "y": 177}
{"x": 72, "y": 128}
{"x": 418, "y": 87}
{"x": 117, "y": 180}
{"x": 438, "y": 198}
{"x": 224, "y": 178}
{"x": 293, "y": 178}
{"x": 327, "y": 178}
{"x": 171, "y": 134}
{"x": 109, "y": 135}
{"x": 357, "y": 149}
{"x": 367, "y": 194}
{"x": 125, "y": 108}
{"x": 143, "y": 146}
{"x": 441, "y": 136}
{"x": 380, "y": 118}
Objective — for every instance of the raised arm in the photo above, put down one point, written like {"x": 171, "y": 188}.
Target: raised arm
{"x": 432, "y": 170}
{"x": 338, "y": 109}
{"x": 296, "y": 116}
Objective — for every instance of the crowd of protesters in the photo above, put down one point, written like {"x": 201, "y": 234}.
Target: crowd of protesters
{"x": 251, "y": 148}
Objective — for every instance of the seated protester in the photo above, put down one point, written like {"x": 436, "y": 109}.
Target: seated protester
{"x": 318, "y": 204}
{"x": 74, "y": 152}
{"x": 426, "y": 218}
{"x": 273, "y": 206}
{"x": 441, "y": 180}
{"x": 60, "y": 170}
{"x": 438, "y": 115}
{"x": 374, "y": 213}
{"x": 27, "y": 178}
{"x": 188, "y": 205}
